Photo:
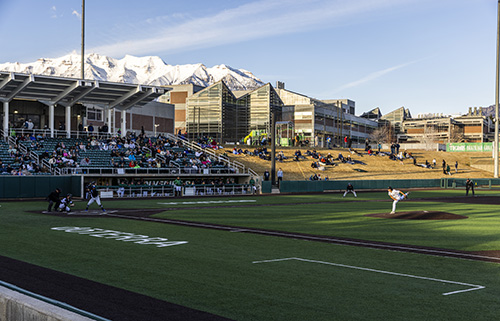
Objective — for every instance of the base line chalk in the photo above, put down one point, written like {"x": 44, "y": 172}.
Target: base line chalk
{"x": 472, "y": 286}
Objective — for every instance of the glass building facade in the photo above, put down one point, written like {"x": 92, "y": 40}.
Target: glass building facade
{"x": 216, "y": 112}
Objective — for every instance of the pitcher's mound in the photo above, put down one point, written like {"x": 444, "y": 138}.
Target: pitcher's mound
{"x": 420, "y": 215}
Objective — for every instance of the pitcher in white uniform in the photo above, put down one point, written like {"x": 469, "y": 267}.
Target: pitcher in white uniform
{"x": 396, "y": 196}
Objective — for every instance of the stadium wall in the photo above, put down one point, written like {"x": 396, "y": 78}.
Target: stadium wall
{"x": 38, "y": 186}
{"x": 15, "y": 306}
{"x": 324, "y": 186}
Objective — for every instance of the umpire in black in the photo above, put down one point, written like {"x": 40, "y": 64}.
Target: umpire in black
{"x": 469, "y": 185}
{"x": 53, "y": 199}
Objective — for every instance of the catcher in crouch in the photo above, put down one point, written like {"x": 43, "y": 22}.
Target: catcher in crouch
{"x": 66, "y": 203}
{"x": 396, "y": 196}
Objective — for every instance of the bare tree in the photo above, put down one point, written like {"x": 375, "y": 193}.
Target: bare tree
{"x": 457, "y": 134}
{"x": 430, "y": 137}
{"x": 384, "y": 134}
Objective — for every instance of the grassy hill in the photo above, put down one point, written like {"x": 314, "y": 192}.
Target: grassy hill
{"x": 377, "y": 167}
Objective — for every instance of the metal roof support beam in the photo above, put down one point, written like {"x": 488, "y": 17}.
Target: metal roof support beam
{"x": 6, "y": 81}
{"x": 67, "y": 91}
{"x": 16, "y": 91}
{"x": 131, "y": 104}
{"x": 126, "y": 96}
{"x": 85, "y": 92}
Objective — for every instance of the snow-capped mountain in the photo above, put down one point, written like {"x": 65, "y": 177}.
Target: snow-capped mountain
{"x": 151, "y": 70}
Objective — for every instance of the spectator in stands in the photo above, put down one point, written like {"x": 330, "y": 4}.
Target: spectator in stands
{"x": 85, "y": 162}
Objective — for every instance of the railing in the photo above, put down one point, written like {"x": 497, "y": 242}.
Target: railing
{"x": 142, "y": 171}
{"x": 60, "y": 133}
{"x": 168, "y": 190}
{"x": 22, "y": 148}
{"x": 161, "y": 157}
{"x": 12, "y": 141}
{"x": 34, "y": 156}
{"x": 211, "y": 153}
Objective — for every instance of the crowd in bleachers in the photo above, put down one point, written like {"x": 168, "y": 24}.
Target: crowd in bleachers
{"x": 131, "y": 151}
{"x": 14, "y": 162}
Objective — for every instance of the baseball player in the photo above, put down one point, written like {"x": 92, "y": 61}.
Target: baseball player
{"x": 350, "y": 189}
{"x": 396, "y": 196}
{"x": 178, "y": 186}
{"x": 469, "y": 185}
{"x": 66, "y": 202}
{"x": 94, "y": 196}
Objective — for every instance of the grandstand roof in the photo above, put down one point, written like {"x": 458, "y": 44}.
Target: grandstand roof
{"x": 69, "y": 91}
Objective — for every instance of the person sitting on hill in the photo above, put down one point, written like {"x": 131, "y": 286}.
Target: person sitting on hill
{"x": 313, "y": 177}
{"x": 298, "y": 156}
{"x": 341, "y": 158}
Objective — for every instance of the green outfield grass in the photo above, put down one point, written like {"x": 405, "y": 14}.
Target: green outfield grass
{"x": 216, "y": 270}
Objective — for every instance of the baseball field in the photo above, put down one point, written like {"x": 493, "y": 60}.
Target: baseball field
{"x": 287, "y": 257}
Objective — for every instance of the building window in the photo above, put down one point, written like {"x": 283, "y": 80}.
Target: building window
{"x": 95, "y": 115}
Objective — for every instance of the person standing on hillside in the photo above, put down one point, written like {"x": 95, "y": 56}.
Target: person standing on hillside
{"x": 444, "y": 166}
{"x": 456, "y": 166}
{"x": 396, "y": 197}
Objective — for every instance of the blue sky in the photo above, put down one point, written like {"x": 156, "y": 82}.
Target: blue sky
{"x": 431, "y": 56}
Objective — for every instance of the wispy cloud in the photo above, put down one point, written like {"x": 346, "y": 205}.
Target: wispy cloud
{"x": 53, "y": 11}
{"x": 76, "y": 13}
{"x": 250, "y": 21}
{"x": 372, "y": 76}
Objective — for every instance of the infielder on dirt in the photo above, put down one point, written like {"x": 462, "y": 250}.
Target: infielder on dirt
{"x": 350, "y": 189}
{"x": 396, "y": 196}
{"x": 94, "y": 196}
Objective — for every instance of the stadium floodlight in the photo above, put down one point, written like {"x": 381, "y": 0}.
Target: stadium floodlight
{"x": 495, "y": 142}
{"x": 83, "y": 40}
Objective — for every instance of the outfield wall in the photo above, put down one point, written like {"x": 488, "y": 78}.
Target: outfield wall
{"x": 15, "y": 306}
{"x": 38, "y": 186}
{"x": 324, "y": 186}
{"x": 321, "y": 186}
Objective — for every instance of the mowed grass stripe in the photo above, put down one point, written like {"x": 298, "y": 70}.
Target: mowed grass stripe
{"x": 214, "y": 273}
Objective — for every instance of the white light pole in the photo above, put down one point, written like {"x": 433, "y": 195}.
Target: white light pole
{"x": 83, "y": 40}
{"x": 495, "y": 143}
